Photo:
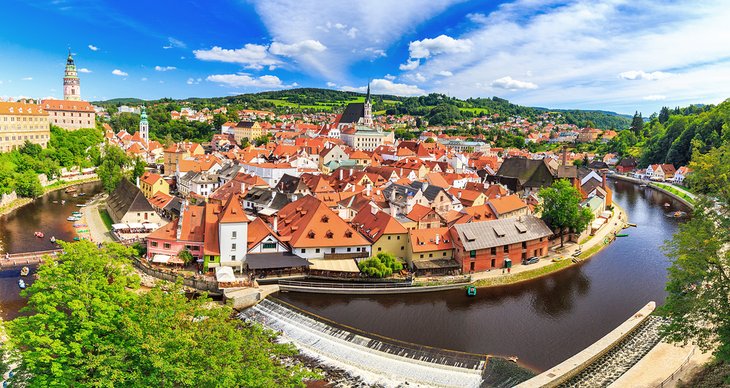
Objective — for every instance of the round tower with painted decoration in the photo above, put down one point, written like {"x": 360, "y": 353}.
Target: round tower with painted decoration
{"x": 71, "y": 84}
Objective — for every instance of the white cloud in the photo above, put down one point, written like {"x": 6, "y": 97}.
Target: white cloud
{"x": 411, "y": 64}
{"x": 376, "y": 23}
{"x": 389, "y": 77}
{"x": 308, "y": 46}
{"x": 441, "y": 44}
{"x": 445, "y": 73}
{"x": 331, "y": 84}
{"x": 165, "y": 68}
{"x": 512, "y": 84}
{"x": 27, "y": 79}
{"x": 144, "y": 78}
{"x": 384, "y": 86}
{"x": 642, "y": 75}
{"x": 93, "y": 48}
{"x": 375, "y": 52}
{"x": 84, "y": 70}
{"x": 244, "y": 80}
{"x": 119, "y": 73}
{"x": 172, "y": 42}
{"x": 253, "y": 56}
{"x": 194, "y": 81}
{"x": 655, "y": 97}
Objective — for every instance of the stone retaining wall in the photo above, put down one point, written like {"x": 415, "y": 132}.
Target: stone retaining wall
{"x": 574, "y": 365}
{"x": 198, "y": 284}
{"x": 370, "y": 291}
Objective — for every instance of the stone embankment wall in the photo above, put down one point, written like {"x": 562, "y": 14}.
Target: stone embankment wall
{"x": 8, "y": 198}
{"x": 199, "y": 284}
{"x": 571, "y": 367}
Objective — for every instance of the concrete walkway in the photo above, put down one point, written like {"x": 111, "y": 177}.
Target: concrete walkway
{"x": 97, "y": 229}
{"x": 614, "y": 224}
{"x": 660, "y": 363}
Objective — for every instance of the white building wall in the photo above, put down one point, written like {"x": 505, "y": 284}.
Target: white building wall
{"x": 311, "y": 253}
{"x": 233, "y": 248}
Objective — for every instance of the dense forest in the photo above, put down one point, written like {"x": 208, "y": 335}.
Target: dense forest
{"x": 673, "y": 136}
{"x": 437, "y": 109}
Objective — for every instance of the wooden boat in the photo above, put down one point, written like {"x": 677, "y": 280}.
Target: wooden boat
{"x": 76, "y": 239}
{"x": 53, "y": 239}
{"x": 76, "y": 213}
{"x": 24, "y": 271}
{"x": 666, "y": 204}
{"x": 80, "y": 205}
{"x": 471, "y": 291}
{"x": 631, "y": 224}
{"x": 72, "y": 218}
{"x": 21, "y": 284}
{"x": 622, "y": 235}
{"x": 38, "y": 234}
{"x": 679, "y": 214}
{"x": 82, "y": 194}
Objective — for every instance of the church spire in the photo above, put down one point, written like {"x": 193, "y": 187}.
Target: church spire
{"x": 367, "y": 97}
{"x": 367, "y": 118}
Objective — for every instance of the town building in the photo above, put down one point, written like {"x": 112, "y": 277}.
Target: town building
{"x": 128, "y": 205}
{"x": 430, "y": 251}
{"x": 20, "y": 122}
{"x": 144, "y": 126}
{"x": 247, "y": 130}
{"x": 71, "y": 82}
{"x": 365, "y": 138}
{"x": 151, "y": 183}
{"x": 480, "y": 246}
{"x": 384, "y": 232}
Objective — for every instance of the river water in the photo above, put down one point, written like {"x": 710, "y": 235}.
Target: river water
{"x": 16, "y": 235}
{"x": 544, "y": 321}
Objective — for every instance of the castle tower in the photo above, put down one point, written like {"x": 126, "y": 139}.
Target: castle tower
{"x": 71, "y": 84}
{"x": 367, "y": 119}
{"x": 144, "y": 126}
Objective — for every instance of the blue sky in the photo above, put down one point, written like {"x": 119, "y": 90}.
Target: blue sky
{"x": 615, "y": 55}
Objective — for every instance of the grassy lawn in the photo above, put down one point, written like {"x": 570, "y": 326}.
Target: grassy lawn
{"x": 676, "y": 192}
{"x": 106, "y": 218}
{"x": 522, "y": 276}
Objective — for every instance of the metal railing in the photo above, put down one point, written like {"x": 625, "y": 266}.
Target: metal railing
{"x": 344, "y": 285}
{"x": 680, "y": 369}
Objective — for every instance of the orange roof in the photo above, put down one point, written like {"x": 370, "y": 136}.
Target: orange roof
{"x": 150, "y": 178}
{"x": 373, "y": 226}
{"x": 65, "y": 105}
{"x": 160, "y": 199}
{"x": 21, "y": 108}
{"x": 465, "y": 195}
{"x": 233, "y": 212}
{"x": 419, "y": 211}
{"x": 495, "y": 191}
{"x": 308, "y": 222}
{"x": 257, "y": 231}
{"x": 424, "y": 240}
{"x": 507, "y": 204}
{"x": 436, "y": 179}
{"x": 210, "y": 243}
{"x": 480, "y": 213}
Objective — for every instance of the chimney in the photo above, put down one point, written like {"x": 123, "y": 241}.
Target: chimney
{"x": 373, "y": 210}
{"x": 137, "y": 181}
{"x": 392, "y": 194}
{"x": 603, "y": 182}
{"x": 276, "y": 224}
{"x": 341, "y": 174}
{"x": 458, "y": 195}
{"x": 350, "y": 172}
{"x": 565, "y": 155}
{"x": 367, "y": 190}
{"x": 438, "y": 238}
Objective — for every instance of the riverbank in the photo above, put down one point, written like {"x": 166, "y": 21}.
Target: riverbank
{"x": 676, "y": 192}
{"x": 547, "y": 266}
{"x": 20, "y": 202}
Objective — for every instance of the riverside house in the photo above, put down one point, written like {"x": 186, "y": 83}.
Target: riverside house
{"x": 480, "y": 246}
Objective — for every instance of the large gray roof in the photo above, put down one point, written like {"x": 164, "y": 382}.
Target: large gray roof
{"x": 488, "y": 234}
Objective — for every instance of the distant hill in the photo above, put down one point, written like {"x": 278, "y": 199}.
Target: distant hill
{"x": 438, "y": 109}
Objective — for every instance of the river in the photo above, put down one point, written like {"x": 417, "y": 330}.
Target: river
{"x": 16, "y": 235}
{"x": 544, "y": 321}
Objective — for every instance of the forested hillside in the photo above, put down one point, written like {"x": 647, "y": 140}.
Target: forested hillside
{"x": 437, "y": 109}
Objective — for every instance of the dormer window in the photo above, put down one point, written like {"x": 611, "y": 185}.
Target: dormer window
{"x": 325, "y": 218}
{"x": 330, "y": 234}
{"x": 311, "y": 234}
{"x": 348, "y": 233}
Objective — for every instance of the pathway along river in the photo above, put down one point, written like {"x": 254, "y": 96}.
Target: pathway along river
{"x": 16, "y": 235}
{"x": 544, "y": 321}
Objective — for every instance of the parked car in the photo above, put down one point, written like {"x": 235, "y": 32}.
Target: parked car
{"x": 530, "y": 260}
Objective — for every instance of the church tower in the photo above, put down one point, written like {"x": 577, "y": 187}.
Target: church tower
{"x": 367, "y": 119}
{"x": 144, "y": 126}
{"x": 71, "y": 85}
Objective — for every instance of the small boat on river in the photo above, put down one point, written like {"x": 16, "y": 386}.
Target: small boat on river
{"x": 622, "y": 235}
{"x": 73, "y": 218}
{"x": 53, "y": 239}
{"x": 471, "y": 291}
{"x": 21, "y": 284}
{"x": 80, "y": 205}
{"x": 38, "y": 234}
{"x": 24, "y": 271}
{"x": 678, "y": 214}
{"x": 63, "y": 202}
{"x": 666, "y": 204}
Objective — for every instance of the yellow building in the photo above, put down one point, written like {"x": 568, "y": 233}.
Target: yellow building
{"x": 21, "y": 121}
{"x": 247, "y": 130}
{"x": 173, "y": 154}
{"x": 426, "y": 247}
{"x": 151, "y": 183}
{"x": 385, "y": 232}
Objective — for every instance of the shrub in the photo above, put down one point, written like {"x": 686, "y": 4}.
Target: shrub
{"x": 380, "y": 266}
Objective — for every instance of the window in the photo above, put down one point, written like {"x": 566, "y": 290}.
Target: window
{"x": 349, "y": 249}
{"x": 524, "y": 245}
{"x": 389, "y": 237}
{"x": 422, "y": 255}
{"x": 316, "y": 250}
{"x": 398, "y": 238}
{"x": 304, "y": 251}
{"x": 269, "y": 245}
{"x": 494, "y": 250}
{"x": 196, "y": 248}
{"x": 506, "y": 249}
{"x": 473, "y": 253}
{"x": 444, "y": 254}
{"x": 166, "y": 246}
{"x": 493, "y": 262}
{"x": 153, "y": 243}
{"x": 233, "y": 247}
{"x": 233, "y": 257}
{"x": 402, "y": 247}
{"x": 233, "y": 234}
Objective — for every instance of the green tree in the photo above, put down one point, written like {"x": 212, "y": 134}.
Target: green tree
{"x": 380, "y": 266}
{"x": 637, "y": 124}
{"x": 560, "y": 208}
{"x": 138, "y": 170}
{"x": 28, "y": 185}
{"x": 185, "y": 256}
{"x": 110, "y": 170}
{"x": 663, "y": 115}
{"x": 698, "y": 285}
{"x": 87, "y": 326}
{"x": 711, "y": 173}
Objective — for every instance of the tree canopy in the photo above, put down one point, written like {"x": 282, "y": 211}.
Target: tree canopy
{"x": 86, "y": 325}
{"x": 380, "y": 266}
{"x": 560, "y": 208}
